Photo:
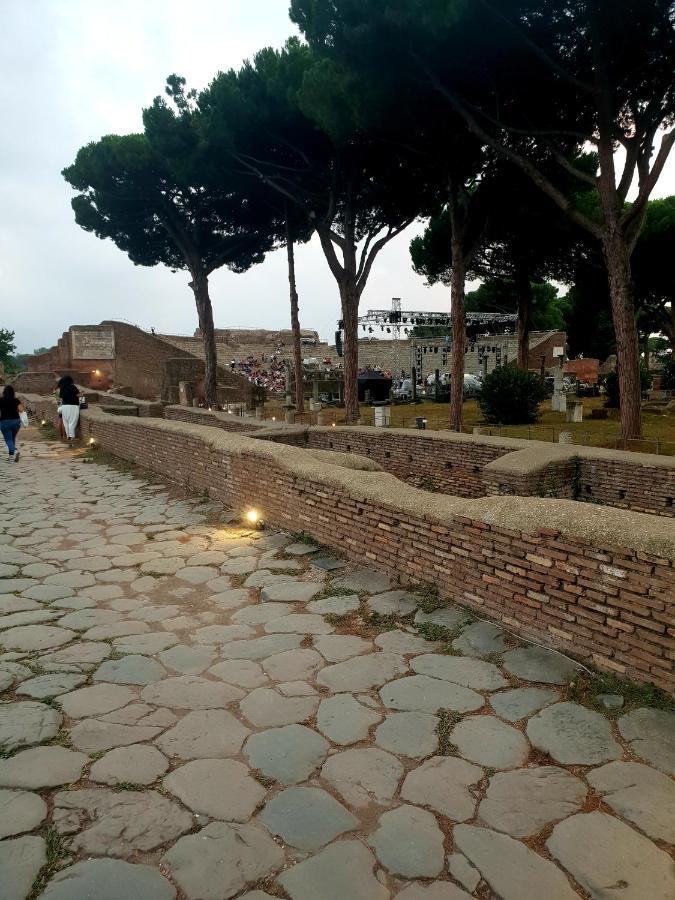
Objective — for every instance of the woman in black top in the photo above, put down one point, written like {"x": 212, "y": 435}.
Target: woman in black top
{"x": 10, "y": 409}
{"x": 70, "y": 405}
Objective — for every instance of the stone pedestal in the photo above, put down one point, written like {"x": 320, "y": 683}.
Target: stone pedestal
{"x": 185, "y": 393}
{"x": 565, "y": 437}
{"x": 382, "y": 416}
{"x": 289, "y": 417}
{"x": 559, "y": 402}
{"x": 314, "y": 405}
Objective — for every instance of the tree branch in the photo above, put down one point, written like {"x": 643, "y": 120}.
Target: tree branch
{"x": 374, "y": 250}
{"x": 330, "y": 254}
{"x": 648, "y": 183}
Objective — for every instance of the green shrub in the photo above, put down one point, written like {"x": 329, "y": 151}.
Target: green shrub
{"x": 511, "y": 396}
{"x": 612, "y": 386}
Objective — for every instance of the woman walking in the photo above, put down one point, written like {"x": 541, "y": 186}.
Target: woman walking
{"x": 10, "y": 420}
{"x": 70, "y": 405}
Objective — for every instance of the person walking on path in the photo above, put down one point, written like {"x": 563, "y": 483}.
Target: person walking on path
{"x": 10, "y": 420}
{"x": 70, "y": 405}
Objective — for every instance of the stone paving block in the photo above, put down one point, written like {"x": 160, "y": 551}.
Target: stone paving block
{"x": 446, "y": 617}
{"x": 289, "y": 754}
{"x": 410, "y": 734}
{"x": 471, "y": 673}
{"x": 188, "y": 660}
{"x": 461, "y": 870}
{"x": 337, "y": 605}
{"x": 520, "y": 703}
{"x": 190, "y": 692}
{"x": 424, "y": 694}
{"x": 489, "y": 742}
{"x": 363, "y": 776}
{"x": 244, "y": 673}
{"x": 45, "y": 686}
{"x": 131, "y": 669}
{"x": 299, "y": 624}
{"x": 108, "y": 879}
{"x": 204, "y": 734}
{"x": 344, "y": 869}
{"x": 258, "y": 614}
{"x": 42, "y": 767}
{"x": 651, "y": 733}
{"x": 513, "y": 870}
{"x": 20, "y": 811}
{"x": 118, "y": 823}
{"x": 20, "y": 861}
{"x": 262, "y": 647}
{"x": 338, "y": 647}
{"x": 36, "y": 637}
{"x": 364, "y": 580}
{"x": 607, "y": 856}
{"x": 408, "y": 842}
{"x": 220, "y": 788}
{"x": 480, "y": 639}
{"x": 362, "y": 672}
{"x": 396, "y": 603}
{"x": 92, "y": 735}
{"x": 344, "y": 720}
{"x": 437, "y": 890}
{"x": 145, "y": 644}
{"x": 573, "y": 735}
{"x": 524, "y": 801}
{"x": 306, "y": 817}
{"x": 290, "y": 592}
{"x": 137, "y": 764}
{"x": 538, "y": 664}
{"x": 95, "y": 700}
{"x": 265, "y": 708}
{"x": 25, "y": 722}
{"x": 443, "y": 783}
{"x": 639, "y": 794}
{"x": 293, "y": 665}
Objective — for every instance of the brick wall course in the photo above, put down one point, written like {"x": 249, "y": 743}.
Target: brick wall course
{"x": 468, "y": 547}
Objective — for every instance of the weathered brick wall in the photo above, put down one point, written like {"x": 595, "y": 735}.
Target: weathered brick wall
{"x": 642, "y": 487}
{"x": 601, "y": 586}
{"x": 226, "y": 421}
{"x": 448, "y": 467}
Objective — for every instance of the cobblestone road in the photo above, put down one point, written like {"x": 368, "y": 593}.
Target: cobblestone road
{"x": 190, "y": 709}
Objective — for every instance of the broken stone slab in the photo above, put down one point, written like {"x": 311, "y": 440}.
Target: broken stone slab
{"x": 220, "y": 788}
{"x": 480, "y": 639}
{"x": 289, "y": 754}
{"x": 410, "y": 734}
{"x": 145, "y": 644}
{"x": 336, "y": 605}
{"x": 512, "y": 869}
{"x": 221, "y": 860}
{"x": 118, "y": 823}
{"x": 640, "y": 794}
{"x": 524, "y": 801}
{"x": 363, "y": 776}
{"x": 424, "y": 694}
{"x": 651, "y": 733}
{"x": 138, "y": 764}
{"x": 83, "y": 656}
{"x": 108, "y": 879}
{"x": 344, "y": 720}
{"x": 265, "y": 708}
{"x": 471, "y": 673}
{"x": 461, "y": 870}
{"x": 244, "y": 673}
{"x": 293, "y": 665}
{"x": 444, "y": 784}
{"x": 190, "y": 692}
{"x": 521, "y": 703}
{"x": 539, "y": 664}
{"x": 408, "y": 842}
{"x": 327, "y": 563}
{"x": 20, "y": 811}
{"x": 25, "y": 722}
{"x": 260, "y": 613}
{"x": 446, "y": 617}
{"x": 343, "y": 869}
{"x": 46, "y": 686}
{"x": 307, "y": 817}
{"x": 606, "y": 856}
{"x": 95, "y": 700}
{"x": 232, "y": 598}
{"x": 82, "y": 619}
{"x": 573, "y": 735}
{"x": 363, "y": 672}
{"x": 403, "y": 643}
{"x": 338, "y": 647}
{"x": 262, "y": 647}
{"x": 290, "y": 592}
{"x": 92, "y": 735}
{"x": 204, "y": 734}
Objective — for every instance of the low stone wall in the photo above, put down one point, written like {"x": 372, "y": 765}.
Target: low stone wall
{"x": 600, "y": 585}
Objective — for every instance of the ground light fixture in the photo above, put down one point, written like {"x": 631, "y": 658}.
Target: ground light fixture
{"x": 92, "y": 442}
{"x": 43, "y": 422}
{"x": 254, "y": 518}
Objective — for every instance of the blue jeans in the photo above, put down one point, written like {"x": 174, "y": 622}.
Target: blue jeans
{"x": 10, "y": 429}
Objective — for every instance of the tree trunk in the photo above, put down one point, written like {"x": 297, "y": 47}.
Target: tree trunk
{"x": 200, "y": 287}
{"x": 457, "y": 215}
{"x": 349, "y": 297}
{"x": 617, "y": 260}
{"x": 295, "y": 324}
{"x": 524, "y": 289}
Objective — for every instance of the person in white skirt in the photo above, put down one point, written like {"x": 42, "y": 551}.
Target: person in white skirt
{"x": 70, "y": 405}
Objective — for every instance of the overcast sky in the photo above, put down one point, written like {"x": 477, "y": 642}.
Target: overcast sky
{"x": 74, "y": 70}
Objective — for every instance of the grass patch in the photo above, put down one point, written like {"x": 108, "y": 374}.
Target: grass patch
{"x": 446, "y": 722}
{"x": 301, "y": 537}
{"x": 264, "y": 780}
{"x": 386, "y": 621}
{"x": 57, "y": 853}
{"x": 97, "y": 754}
{"x": 584, "y": 688}
{"x": 129, "y": 786}
{"x": 431, "y": 632}
{"x": 336, "y": 620}
{"x": 61, "y": 739}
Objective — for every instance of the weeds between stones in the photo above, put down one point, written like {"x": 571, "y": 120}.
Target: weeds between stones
{"x": 60, "y": 739}
{"x": 264, "y": 780}
{"x": 584, "y": 688}
{"x": 446, "y": 722}
{"x": 335, "y": 620}
{"x": 56, "y": 853}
